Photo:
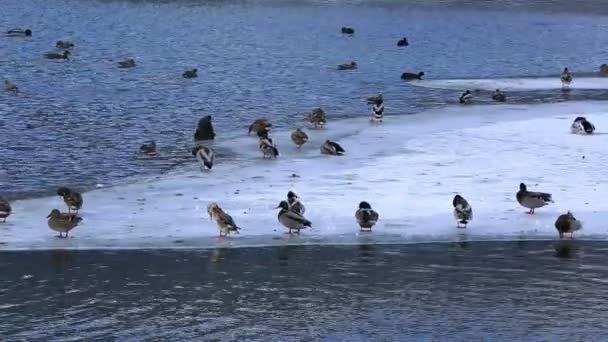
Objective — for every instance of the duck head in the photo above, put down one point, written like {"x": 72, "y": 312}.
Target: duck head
{"x": 54, "y": 213}
{"x": 212, "y": 208}
{"x": 364, "y": 205}
{"x": 283, "y": 205}
{"x": 522, "y": 187}
{"x": 28, "y": 33}
{"x": 457, "y": 200}
{"x": 291, "y": 195}
{"x": 63, "y": 191}
{"x": 420, "y": 75}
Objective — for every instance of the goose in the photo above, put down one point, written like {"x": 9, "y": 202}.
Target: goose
{"x": 205, "y": 156}
{"x": 10, "y": 86}
{"x": 268, "y": 149}
{"x": 462, "y": 211}
{"x": 466, "y": 97}
{"x": 260, "y": 125}
{"x": 19, "y": 33}
{"x": 317, "y": 117}
{"x": 295, "y": 204}
{"x": 409, "y": 76}
{"x": 62, "y": 222}
{"x": 403, "y": 42}
{"x": 5, "y": 209}
{"x": 56, "y": 55}
{"x": 64, "y": 44}
{"x": 224, "y": 221}
{"x": 292, "y": 220}
{"x": 582, "y": 126}
{"x": 72, "y": 198}
{"x": 532, "y": 200}
{"x": 190, "y": 73}
{"x": 127, "y": 63}
{"x": 366, "y": 216}
{"x": 348, "y": 66}
{"x": 566, "y": 78}
{"x": 499, "y": 96}
{"x": 348, "y": 30}
{"x": 332, "y": 148}
{"x": 299, "y": 137}
{"x": 567, "y": 223}
{"x": 148, "y": 148}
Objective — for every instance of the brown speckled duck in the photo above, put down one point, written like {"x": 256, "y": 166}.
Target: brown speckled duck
{"x": 260, "y": 126}
{"x": 224, "y": 221}
{"x": 317, "y": 117}
{"x": 72, "y": 198}
{"x": 5, "y": 209}
{"x": 567, "y": 223}
{"x": 62, "y": 222}
{"x": 532, "y": 200}
{"x": 366, "y": 216}
{"x": 299, "y": 137}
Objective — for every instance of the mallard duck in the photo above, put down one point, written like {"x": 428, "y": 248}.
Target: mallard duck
{"x": 205, "y": 156}
{"x": 62, "y": 222}
{"x": 403, "y": 42}
{"x": 409, "y": 76}
{"x": 348, "y": 66}
{"x": 532, "y": 200}
{"x": 10, "y": 86}
{"x": 499, "y": 96}
{"x": 466, "y": 97}
{"x": 348, "y": 30}
{"x": 330, "y": 147}
{"x": 462, "y": 211}
{"x": 19, "y": 33}
{"x": 72, "y": 198}
{"x": 582, "y": 126}
{"x": 5, "y": 209}
{"x": 190, "y": 73}
{"x": 56, "y": 55}
{"x": 566, "y": 78}
{"x": 224, "y": 221}
{"x": 292, "y": 220}
{"x": 317, "y": 117}
{"x": 567, "y": 223}
{"x": 148, "y": 148}
{"x": 378, "y": 111}
{"x": 127, "y": 63}
{"x": 366, "y": 216}
{"x": 260, "y": 125}
{"x": 604, "y": 69}
{"x": 375, "y": 99}
{"x": 295, "y": 204}
{"x": 268, "y": 148}
{"x": 64, "y": 44}
{"x": 299, "y": 137}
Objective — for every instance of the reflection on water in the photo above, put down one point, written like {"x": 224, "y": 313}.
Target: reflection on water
{"x": 524, "y": 290}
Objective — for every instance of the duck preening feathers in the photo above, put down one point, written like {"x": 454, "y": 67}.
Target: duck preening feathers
{"x": 582, "y": 126}
{"x": 317, "y": 117}
{"x": 260, "y": 126}
{"x": 148, "y": 148}
{"x": 292, "y": 220}
{"x": 409, "y": 76}
{"x": 190, "y": 73}
{"x": 299, "y": 137}
{"x": 205, "y": 156}
{"x": 268, "y": 148}
{"x": 62, "y": 222}
{"x": 56, "y": 55}
{"x": 5, "y": 209}
{"x": 332, "y": 148}
{"x": 224, "y": 221}
{"x": 72, "y": 198}
{"x": 463, "y": 212}
{"x": 532, "y": 200}
{"x": 295, "y": 204}
{"x": 366, "y": 216}
{"x": 567, "y": 223}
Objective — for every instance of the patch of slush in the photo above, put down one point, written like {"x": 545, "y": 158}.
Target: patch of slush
{"x": 515, "y": 84}
{"x": 408, "y": 168}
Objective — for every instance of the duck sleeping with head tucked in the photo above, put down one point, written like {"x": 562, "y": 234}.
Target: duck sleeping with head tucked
{"x": 462, "y": 211}
{"x": 582, "y": 126}
{"x": 366, "y": 216}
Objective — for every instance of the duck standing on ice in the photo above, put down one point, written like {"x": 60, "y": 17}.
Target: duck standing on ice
{"x": 299, "y": 137}
{"x": 332, "y": 148}
{"x": 582, "y": 126}
{"x": 317, "y": 117}
{"x": 499, "y": 96}
{"x": 567, "y": 223}
{"x": 532, "y": 200}
{"x": 566, "y": 78}
{"x": 292, "y": 220}
{"x": 5, "y": 209}
{"x": 378, "y": 110}
{"x": 466, "y": 97}
{"x": 268, "y": 148}
{"x": 72, "y": 198}
{"x": 295, "y": 204}
{"x": 463, "y": 212}
{"x": 366, "y": 216}
{"x": 224, "y": 221}
{"x": 62, "y": 222}
{"x": 205, "y": 156}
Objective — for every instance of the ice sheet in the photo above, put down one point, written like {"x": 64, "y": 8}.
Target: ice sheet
{"x": 514, "y": 84}
{"x": 408, "y": 168}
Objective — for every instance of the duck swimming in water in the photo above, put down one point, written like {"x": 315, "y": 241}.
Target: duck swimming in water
{"x": 462, "y": 211}
{"x": 190, "y": 73}
{"x": 566, "y": 78}
{"x": 403, "y": 42}
{"x": 205, "y": 156}
{"x": 348, "y": 66}
{"x": 366, "y": 216}
{"x": 148, "y": 148}
{"x": 62, "y": 222}
{"x": 532, "y": 200}
{"x": 64, "y": 44}
{"x": 299, "y": 137}
{"x": 5, "y": 209}
{"x": 295, "y": 204}
{"x": 10, "y": 87}
{"x": 127, "y": 63}
{"x": 292, "y": 220}
{"x": 56, "y": 55}
{"x": 72, "y": 198}
{"x": 260, "y": 125}
{"x": 224, "y": 221}
{"x": 348, "y": 30}
{"x": 567, "y": 223}
{"x": 582, "y": 126}
{"x": 332, "y": 148}
{"x": 19, "y": 33}
{"x": 317, "y": 117}
{"x": 410, "y": 76}
{"x": 466, "y": 97}
{"x": 499, "y": 96}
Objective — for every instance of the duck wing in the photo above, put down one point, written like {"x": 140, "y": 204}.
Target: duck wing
{"x": 293, "y": 216}
{"x": 227, "y": 219}
{"x": 540, "y": 195}
{"x": 337, "y": 147}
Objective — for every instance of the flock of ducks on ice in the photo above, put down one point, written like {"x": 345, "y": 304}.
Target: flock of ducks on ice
{"x": 292, "y": 210}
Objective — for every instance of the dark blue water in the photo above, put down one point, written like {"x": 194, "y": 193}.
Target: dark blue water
{"x": 501, "y": 291}
{"x": 80, "y": 122}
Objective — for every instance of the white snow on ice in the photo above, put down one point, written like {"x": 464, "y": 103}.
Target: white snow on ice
{"x": 408, "y": 168}
{"x": 515, "y": 84}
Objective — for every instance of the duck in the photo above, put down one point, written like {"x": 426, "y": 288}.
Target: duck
{"x": 64, "y": 44}
{"x": 566, "y": 78}
{"x": 205, "y": 156}
{"x": 127, "y": 63}
{"x": 292, "y": 220}
{"x": 299, "y": 137}
{"x": 410, "y": 76}
{"x": 348, "y": 66}
{"x": 332, "y": 148}
{"x": 10, "y": 86}
{"x": 224, "y": 221}
{"x": 148, "y": 148}
{"x": 260, "y": 125}
{"x": 462, "y": 211}
{"x": 499, "y": 96}
{"x": 348, "y": 30}
{"x": 604, "y": 69}
{"x": 582, "y": 126}
{"x": 532, "y": 200}
{"x": 72, "y": 198}
{"x": 5, "y": 209}
{"x": 268, "y": 148}
{"x": 567, "y": 223}
{"x": 19, "y": 33}
{"x": 403, "y": 42}
{"x": 366, "y": 216}
{"x": 466, "y": 97}
{"x": 317, "y": 117}
{"x": 62, "y": 222}
{"x": 295, "y": 204}
{"x": 190, "y": 73}
{"x": 375, "y": 99}
{"x": 56, "y": 55}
